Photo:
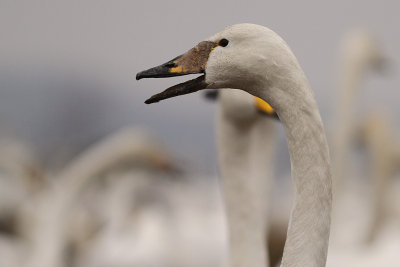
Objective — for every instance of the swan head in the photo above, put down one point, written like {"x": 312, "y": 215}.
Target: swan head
{"x": 242, "y": 56}
{"x": 361, "y": 50}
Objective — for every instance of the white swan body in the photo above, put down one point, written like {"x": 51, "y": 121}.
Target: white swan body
{"x": 246, "y": 141}
{"x": 255, "y": 59}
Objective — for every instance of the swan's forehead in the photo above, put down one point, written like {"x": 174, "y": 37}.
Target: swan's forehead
{"x": 241, "y": 32}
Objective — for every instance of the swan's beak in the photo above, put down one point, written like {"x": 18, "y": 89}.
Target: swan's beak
{"x": 192, "y": 62}
{"x": 188, "y": 87}
{"x": 265, "y": 108}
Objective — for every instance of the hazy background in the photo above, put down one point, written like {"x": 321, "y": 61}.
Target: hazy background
{"x": 67, "y": 68}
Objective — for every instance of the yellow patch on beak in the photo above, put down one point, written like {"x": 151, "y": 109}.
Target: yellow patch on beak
{"x": 176, "y": 70}
{"x": 264, "y": 106}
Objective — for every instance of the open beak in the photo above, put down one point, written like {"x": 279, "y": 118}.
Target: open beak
{"x": 192, "y": 62}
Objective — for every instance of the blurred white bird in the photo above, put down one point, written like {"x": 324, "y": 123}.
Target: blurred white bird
{"x": 359, "y": 53}
{"x": 246, "y": 137}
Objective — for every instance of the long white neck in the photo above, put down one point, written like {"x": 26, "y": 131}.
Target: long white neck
{"x": 308, "y": 232}
{"x": 359, "y": 53}
{"x": 245, "y": 185}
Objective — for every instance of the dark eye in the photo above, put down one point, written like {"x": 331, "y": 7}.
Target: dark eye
{"x": 223, "y": 42}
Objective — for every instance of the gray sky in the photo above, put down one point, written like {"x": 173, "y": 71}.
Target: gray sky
{"x": 67, "y": 67}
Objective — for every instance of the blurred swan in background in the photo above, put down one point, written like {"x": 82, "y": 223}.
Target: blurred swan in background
{"x": 129, "y": 181}
{"x": 46, "y": 218}
{"x": 246, "y": 140}
{"x": 359, "y": 53}
{"x": 366, "y": 225}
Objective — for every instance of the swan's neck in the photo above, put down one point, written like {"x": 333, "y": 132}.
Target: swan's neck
{"x": 308, "y": 232}
{"x": 243, "y": 195}
{"x": 351, "y": 74}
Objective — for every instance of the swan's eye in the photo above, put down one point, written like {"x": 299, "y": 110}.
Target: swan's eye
{"x": 223, "y": 42}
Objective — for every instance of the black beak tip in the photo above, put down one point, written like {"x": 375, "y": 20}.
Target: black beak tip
{"x": 152, "y": 100}
{"x": 139, "y": 76}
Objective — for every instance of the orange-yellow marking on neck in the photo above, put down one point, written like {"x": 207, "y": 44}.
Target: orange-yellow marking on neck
{"x": 264, "y": 106}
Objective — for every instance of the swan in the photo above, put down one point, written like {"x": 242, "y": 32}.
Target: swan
{"x": 359, "y": 53}
{"x": 46, "y": 219}
{"x": 255, "y": 59}
{"x": 246, "y": 142}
